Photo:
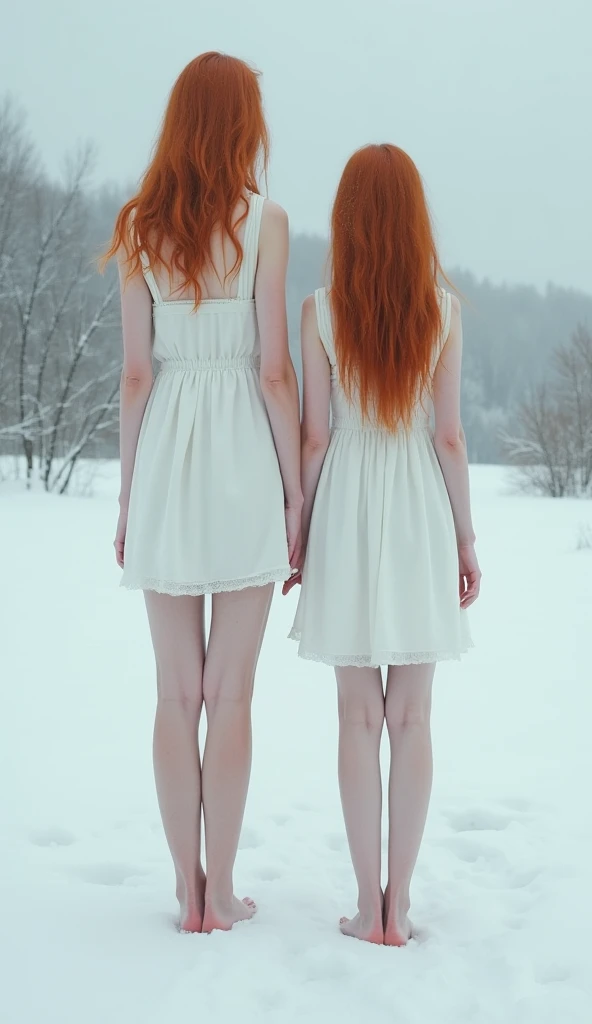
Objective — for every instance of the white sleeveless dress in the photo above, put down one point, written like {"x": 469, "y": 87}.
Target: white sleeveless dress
{"x": 206, "y": 509}
{"x": 380, "y": 584}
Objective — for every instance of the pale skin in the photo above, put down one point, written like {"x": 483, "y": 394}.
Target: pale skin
{"x": 363, "y": 705}
{"x": 220, "y": 672}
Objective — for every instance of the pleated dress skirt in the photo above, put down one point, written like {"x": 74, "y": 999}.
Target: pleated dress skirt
{"x": 381, "y": 578}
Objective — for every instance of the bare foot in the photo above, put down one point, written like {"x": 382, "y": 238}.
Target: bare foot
{"x": 191, "y": 905}
{"x": 397, "y": 926}
{"x": 398, "y": 933}
{"x": 368, "y": 928}
{"x": 367, "y": 925}
{"x": 220, "y": 917}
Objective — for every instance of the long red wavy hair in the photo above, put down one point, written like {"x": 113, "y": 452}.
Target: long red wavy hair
{"x": 213, "y": 144}
{"x": 385, "y": 268}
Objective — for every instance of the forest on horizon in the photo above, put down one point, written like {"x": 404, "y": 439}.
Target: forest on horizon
{"x": 60, "y": 338}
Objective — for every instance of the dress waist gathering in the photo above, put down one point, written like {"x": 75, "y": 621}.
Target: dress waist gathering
{"x": 356, "y": 425}
{"x": 202, "y": 365}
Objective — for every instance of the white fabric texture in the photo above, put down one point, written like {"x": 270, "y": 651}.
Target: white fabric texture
{"x": 380, "y": 584}
{"x": 206, "y": 507}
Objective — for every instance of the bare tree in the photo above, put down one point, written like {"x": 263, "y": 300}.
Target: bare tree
{"x": 18, "y": 171}
{"x": 18, "y": 175}
{"x": 539, "y": 447}
{"x": 552, "y": 442}
{"x": 573, "y": 372}
{"x": 85, "y": 399}
{"x": 58, "y": 371}
{"x": 42, "y": 283}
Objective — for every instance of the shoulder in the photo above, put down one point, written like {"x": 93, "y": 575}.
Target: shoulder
{"x": 309, "y": 307}
{"x": 317, "y": 334}
{"x": 274, "y": 241}
{"x": 311, "y": 316}
{"x": 310, "y": 324}
{"x": 449, "y": 302}
{"x": 131, "y": 273}
{"x": 450, "y": 313}
{"x": 451, "y": 338}
{"x": 454, "y": 326}
{"x": 455, "y": 305}
{"x": 274, "y": 216}
{"x": 444, "y": 296}
{"x": 274, "y": 238}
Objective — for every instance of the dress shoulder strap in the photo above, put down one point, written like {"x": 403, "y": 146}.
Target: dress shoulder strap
{"x": 248, "y": 269}
{"x": 445, "y": 300}
{"x": 445, "y": 314}
{"x": 324, "y": 324}
{"x": 150, "y": 279}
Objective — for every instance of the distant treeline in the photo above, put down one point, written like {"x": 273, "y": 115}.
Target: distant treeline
{"x": 60, "y": 338}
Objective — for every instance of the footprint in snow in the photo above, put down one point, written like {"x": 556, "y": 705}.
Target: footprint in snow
{"x": 479, "y": 820}
{"x": 552, "y": 974}
{"x": 280, "y": 819}
{"x": 470, "y": 850}
{"x": 522, "y": 806}
{"x": 268, "y": 873}
{"x": 52, "y": 837}
{"x": 336, "y": 841}
{"x": 107, "y": 874}
{"x": 250, "y": 839}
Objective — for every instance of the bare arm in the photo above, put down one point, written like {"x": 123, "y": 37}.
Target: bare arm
{"x": 278, "y": 379}
{"x": 451, "y": 449}
{"x": 315, "y": 415}
{"x": 315, "y": 412}
{"x": 136, "y": 384}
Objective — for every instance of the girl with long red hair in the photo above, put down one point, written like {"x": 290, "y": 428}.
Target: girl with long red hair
{"x": 210, "y": 463}
{"x": 390, "y": 564}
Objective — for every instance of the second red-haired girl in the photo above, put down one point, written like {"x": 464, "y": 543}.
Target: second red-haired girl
{"x": 390, "y": 562}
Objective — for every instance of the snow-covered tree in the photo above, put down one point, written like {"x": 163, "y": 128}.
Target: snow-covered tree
{"x": 552, "y": 441}
{"x": 59, "y": 380}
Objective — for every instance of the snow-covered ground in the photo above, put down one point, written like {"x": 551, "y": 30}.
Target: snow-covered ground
{"x": 502, "y": 892}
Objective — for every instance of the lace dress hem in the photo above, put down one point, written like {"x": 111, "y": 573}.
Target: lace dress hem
{"x": 383, "y": 657}
{"x": 175, "y": 589}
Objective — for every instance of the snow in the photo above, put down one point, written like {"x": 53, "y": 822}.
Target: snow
{"x": 502, "y": 892}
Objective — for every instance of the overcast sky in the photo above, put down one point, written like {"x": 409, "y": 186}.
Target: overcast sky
{"x": 491, "y": 98}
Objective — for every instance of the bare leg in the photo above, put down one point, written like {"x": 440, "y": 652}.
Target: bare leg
{"x": 408, "y": 706}
{"x": 177, "y": 628}
{"x": 361, "y": 718}
{"x": 238, "y": 623}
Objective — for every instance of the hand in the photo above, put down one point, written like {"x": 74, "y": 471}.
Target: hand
{"x": 294, "y": 534}
{"x": 295, "y": 578}
{"x": 119, "y": 542}
{"x": 470, "y": 575}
